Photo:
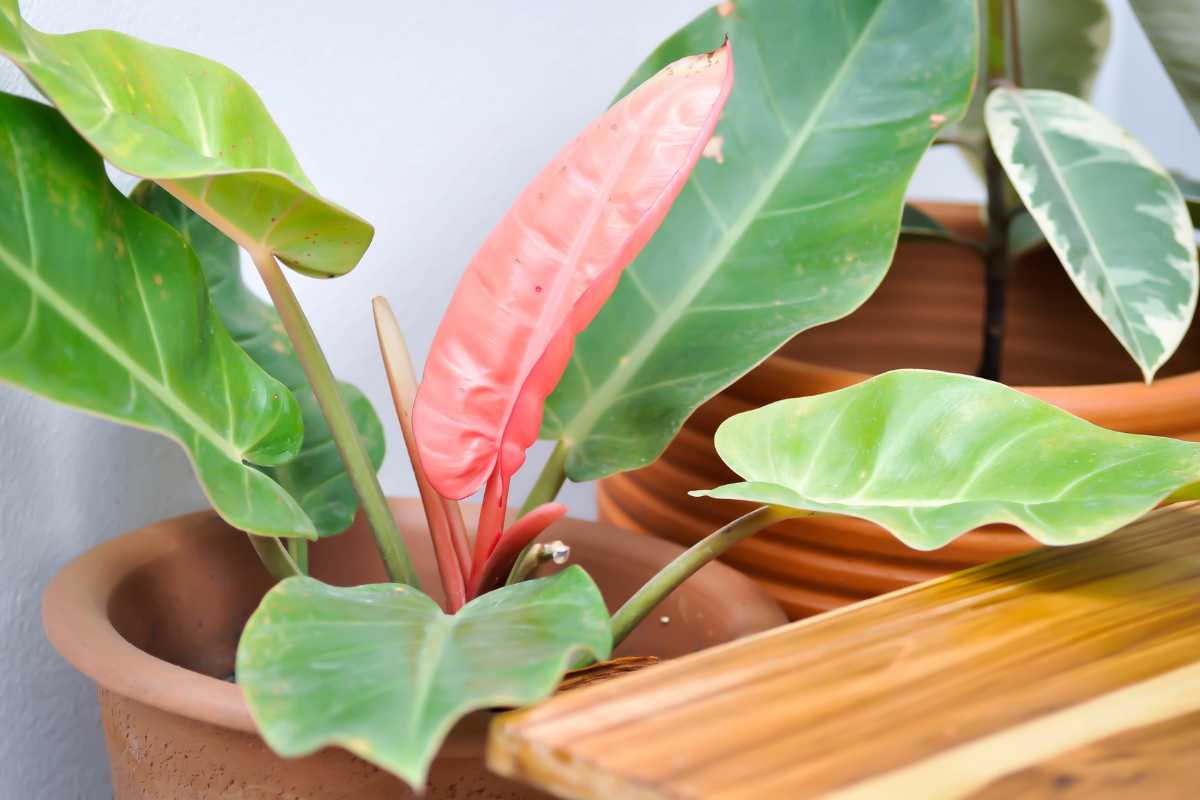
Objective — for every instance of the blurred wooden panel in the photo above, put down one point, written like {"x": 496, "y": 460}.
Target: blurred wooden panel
{"x": 1070, "y": 672}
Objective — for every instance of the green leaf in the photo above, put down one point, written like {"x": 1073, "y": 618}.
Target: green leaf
{"x": 930, "y": 455}
{"x": 316, "y": 477}
{"x": 915, "y": 224}
{"x": 105, "y": 309}
{"x": 1062, "y": 45}
{"x": 1173, "y": 27}
{"x": 794, "y": 225}
{"x": 1113, "y": 216}
{"x": 1190, "y": 189}
{"x": 196, "y": 127}
{"x": 1024, "y": 235}
{"x": 383, "y": 672}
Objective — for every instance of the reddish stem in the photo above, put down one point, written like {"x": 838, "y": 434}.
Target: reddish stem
{"x": 439, "y": 512}
{"x": 492, "y": 573}
{"x": 458, "y": 534}
{"x": 491, "y": 517}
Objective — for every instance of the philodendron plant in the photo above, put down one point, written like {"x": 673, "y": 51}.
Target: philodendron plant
{"x": 786, "y": 202}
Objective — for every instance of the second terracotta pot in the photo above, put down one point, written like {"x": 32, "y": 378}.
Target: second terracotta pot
{"x": 927, "y": 314}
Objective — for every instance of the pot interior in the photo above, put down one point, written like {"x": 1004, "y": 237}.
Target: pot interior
{"x": 928, "y": 313}
{"x": 188, "y": 604}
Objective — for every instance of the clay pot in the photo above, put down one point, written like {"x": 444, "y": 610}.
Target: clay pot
{"x": 154, "y": 616}
{"x": 927, "y": 313}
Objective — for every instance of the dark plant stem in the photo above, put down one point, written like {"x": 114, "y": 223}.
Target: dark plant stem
{"x": 1003, "y": 69}
{"x": 1015, "y": 71}
{"x": 995, "y": 259}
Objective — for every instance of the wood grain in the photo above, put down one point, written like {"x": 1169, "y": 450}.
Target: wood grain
{"x": 1069, "y": 672}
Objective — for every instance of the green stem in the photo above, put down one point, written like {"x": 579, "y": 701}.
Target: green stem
{"x": 526, "y": 563}
{"x": 547, "y": 486}
{"x": 341, "y": 425}
{"x": 298, "y": 550}
{"x": 274, "y": 556}
{"x": 657, "y": 588}
{"x": 550, "y": 480}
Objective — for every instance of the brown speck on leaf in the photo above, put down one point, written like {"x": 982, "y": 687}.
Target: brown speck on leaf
{"x": 278, "y": 346}
{"x": 937, "y": 120}
{"x": 726, "y": 8}
{"x": 158, "y": 280}
{"x": 714, "y": 149}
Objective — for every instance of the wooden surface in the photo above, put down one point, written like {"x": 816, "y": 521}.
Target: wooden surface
{"x": 1064, "y": 673}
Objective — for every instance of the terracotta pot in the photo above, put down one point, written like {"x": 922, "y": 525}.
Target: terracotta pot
{"x": 153, "y": 617}
{"x": 927, "y": 313}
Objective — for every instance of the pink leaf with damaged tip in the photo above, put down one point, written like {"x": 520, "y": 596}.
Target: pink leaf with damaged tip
{"x": 547, "y": 268}
{"x": 491, "y": 574}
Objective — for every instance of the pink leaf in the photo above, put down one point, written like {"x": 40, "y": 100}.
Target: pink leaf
{"x": 548, "y": 267}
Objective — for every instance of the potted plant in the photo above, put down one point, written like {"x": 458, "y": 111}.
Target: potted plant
{"x": 107, "y": 309}
{"x": 1065, "y": 317}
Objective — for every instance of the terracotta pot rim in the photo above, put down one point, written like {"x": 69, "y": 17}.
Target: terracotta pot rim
{"x": 77, "y": 621}
{"x": 1184, "y": 381}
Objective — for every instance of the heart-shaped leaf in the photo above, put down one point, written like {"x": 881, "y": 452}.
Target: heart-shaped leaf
{"x": 790, "y": 222}
{"x": 197, "y": 128}
{"x": 549, "y": 265}
{"x": 316, "y": 477}
{"x": 105, "y": 309}
{"x": 1062, "y": 45}
{"x": 383, "y": 672}
{"x": 930, "y": 455}
{"x": 1173, "y": 27}
{"x": 1113, "y": 216}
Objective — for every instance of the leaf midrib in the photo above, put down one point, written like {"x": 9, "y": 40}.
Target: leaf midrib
{"x": 114, "y": 351}
{"x": 610, "y": 389}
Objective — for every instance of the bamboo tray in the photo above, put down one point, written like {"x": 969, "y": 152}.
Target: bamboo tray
{"x": 1071, "y": 672}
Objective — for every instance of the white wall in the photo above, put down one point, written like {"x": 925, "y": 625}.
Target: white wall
{"x": 426, "y": 118}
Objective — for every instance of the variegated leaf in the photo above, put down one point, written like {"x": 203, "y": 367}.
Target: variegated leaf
{"x": 1063, "y": 43}
{"x": 1112, "y": 214}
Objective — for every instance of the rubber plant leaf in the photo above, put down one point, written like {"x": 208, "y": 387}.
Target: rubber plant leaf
{"x": 931, "y": 455}
{"x": 1062, "y": 46}
{"x": 1114, "y": 217}
{"x": 381, "y": 671}
{"x": 1173, "y": 27}
{"x": 790, "y": 222}
{"x": 549, "y": 265}
{"x": 195, "y": 127}
{"x": 316, "y": 478}
{"x": 105, "y": 310}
